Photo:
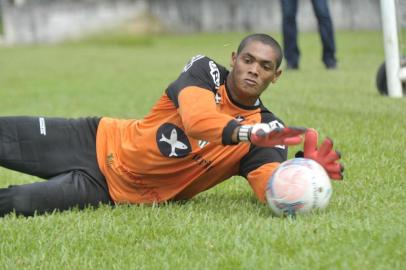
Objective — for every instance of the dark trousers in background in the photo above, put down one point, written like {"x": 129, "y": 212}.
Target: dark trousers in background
{"x": 289, "y": 30}
{"x": 63, "y": 151}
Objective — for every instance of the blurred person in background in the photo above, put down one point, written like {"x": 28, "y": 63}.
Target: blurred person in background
{"x": 289, "y": 30}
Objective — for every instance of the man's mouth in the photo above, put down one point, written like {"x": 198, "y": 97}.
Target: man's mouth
{"x": 250, "y": 82}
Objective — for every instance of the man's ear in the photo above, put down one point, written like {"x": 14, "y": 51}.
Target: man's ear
{"x": 233, "y": 59}
{"x": 276, "y": 75}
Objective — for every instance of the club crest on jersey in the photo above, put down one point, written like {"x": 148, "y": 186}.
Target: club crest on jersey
{"x": 172, "y": 141}
{"x": 215, "y": 74}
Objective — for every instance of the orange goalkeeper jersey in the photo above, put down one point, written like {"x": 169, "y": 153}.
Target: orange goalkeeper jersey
{"x": 183, "y": 146}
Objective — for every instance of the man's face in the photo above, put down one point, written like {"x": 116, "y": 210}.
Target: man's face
{"x": 253, "y": 69}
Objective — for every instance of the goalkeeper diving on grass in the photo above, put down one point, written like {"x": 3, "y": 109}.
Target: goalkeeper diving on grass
{"x": 208, "y": 125}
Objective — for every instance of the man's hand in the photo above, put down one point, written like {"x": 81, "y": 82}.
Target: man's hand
{"x": 326, "y": 156}
{"x": 263, "y": 135}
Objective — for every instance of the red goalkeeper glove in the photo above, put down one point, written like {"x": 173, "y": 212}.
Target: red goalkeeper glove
{"x": 326, "y": 156}
{"x": 264, "y": 135}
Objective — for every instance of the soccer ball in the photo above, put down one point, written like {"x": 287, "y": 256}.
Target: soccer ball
{"x": 298, "y": 186}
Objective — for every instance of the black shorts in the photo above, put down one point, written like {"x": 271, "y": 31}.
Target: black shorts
{"x": 62, "y": 151}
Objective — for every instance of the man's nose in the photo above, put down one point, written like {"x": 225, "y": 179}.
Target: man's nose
{"x": 254, "y": 69}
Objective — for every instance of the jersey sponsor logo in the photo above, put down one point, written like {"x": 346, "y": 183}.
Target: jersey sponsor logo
{"x": 172, "y": 141}
{"x": 191, "y": 61}
{"x": 215, "y": 74}
{"x": 42, "y": 126}
{"x": 217, "y": 98}
{"x": 277, "y": 124}
{"x": 205, "y": 163}
{"x": 110, "y": 160}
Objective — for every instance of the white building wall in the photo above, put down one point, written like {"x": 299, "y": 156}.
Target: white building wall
{"x": 56, "y": 20}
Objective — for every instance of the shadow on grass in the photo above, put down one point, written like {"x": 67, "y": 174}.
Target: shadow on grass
{"x": 220, "y": 204}
{"x": 217, "y": 203}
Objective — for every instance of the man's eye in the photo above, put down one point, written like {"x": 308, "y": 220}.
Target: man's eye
{"x": 247, "y": 60}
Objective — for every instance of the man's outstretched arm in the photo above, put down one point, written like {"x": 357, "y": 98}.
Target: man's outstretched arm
{"x": 202, "y": 121}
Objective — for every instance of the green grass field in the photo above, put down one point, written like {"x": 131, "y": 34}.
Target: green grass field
{"x": 364, "y": 226}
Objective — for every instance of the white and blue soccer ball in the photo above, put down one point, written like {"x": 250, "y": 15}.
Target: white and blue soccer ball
{"x": 298, "y": 186}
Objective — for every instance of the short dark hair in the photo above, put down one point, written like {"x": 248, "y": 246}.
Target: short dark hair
{"x": 265, "y": 39}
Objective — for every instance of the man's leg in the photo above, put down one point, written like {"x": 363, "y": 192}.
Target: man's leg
{"x": 46, "y": 147}
{"x": 326, "y": 30}
{"x": 73, "y": 189}
{"x": 51, "y": 148}
{"x": 289, "y": 30}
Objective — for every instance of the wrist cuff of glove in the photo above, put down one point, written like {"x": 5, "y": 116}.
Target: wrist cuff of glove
{"x": 244, "y": 133}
